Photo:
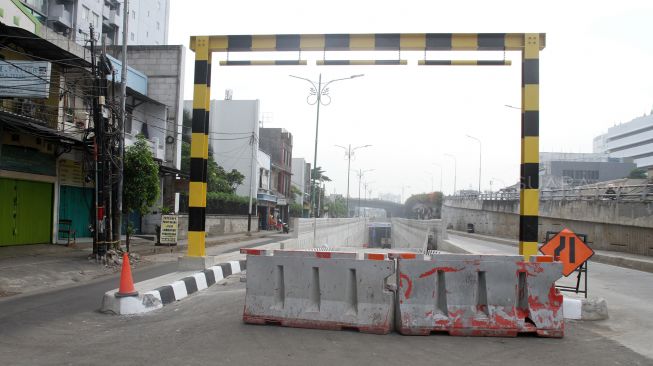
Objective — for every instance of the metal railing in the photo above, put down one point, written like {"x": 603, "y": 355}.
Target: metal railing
{"x": 637, "y": 192}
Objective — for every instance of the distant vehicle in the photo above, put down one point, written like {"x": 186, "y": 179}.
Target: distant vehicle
{"x": 380, "y": 235}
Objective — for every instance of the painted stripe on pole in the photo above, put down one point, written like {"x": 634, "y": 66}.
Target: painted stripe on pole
{"x": 368, "y": 42}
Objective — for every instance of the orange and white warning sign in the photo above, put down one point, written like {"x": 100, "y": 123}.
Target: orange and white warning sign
{"x": 569, "y": 249}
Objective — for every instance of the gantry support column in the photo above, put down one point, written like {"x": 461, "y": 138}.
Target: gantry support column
{"x": 199, "y": 149}
{"x": 529, "y": 202}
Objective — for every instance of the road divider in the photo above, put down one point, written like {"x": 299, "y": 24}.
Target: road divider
{"x": 319, "y": 289}
{"x": 479, "y": 295}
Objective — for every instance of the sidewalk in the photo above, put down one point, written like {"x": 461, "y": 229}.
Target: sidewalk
{"x": 29, "y": 268}
{"x": 626, "y": 260}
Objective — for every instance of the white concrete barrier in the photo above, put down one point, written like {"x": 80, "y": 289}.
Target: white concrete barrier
{"x": 319, "y": 289}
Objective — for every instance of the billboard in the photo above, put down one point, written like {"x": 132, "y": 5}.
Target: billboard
{"x": 25, "y": 79}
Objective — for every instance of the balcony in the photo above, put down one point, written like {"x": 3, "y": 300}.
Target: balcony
{"x": 59, "y": 15}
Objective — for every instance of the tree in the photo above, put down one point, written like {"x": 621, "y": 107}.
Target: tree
{"x": 218, "y": 180}
{"x": 141, "y": 179}
{"x": 637, "y": 173}
{"x": 337, "y": 208}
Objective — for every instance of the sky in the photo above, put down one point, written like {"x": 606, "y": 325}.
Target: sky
{"x": 595, "y": 72}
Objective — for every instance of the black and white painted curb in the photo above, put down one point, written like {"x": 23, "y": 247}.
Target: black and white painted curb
{"x": 167, "y": 294}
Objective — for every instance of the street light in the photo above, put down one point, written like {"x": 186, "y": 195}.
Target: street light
{"x": 439, "y": 166}
{"x": 361, "y": 172}
{"x": 318, "y": 91}
{"x": 402, "y": 192}
{"x": 480, "y": 160}
{"x": 455, "y": 168}
{"x": 348, "y": 152}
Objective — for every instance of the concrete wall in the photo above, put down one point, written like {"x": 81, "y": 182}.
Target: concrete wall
{"x": 330, "y": 232}
{"x": 219, "y": 225}
{"x": 408, "y": 233}
{"x": 610, "y": 225}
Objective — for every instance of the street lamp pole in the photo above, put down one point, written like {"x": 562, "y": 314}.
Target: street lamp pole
{"x": 455, "y": 168}
{"x": 349, "y": 151}
{"x": 439, "y": 166}
{"x": 480, "y": 160}
{"x": 318, "y": 91}
{"x": 360, "y": 178}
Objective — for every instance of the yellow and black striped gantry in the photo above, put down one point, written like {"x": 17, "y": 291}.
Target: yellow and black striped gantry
{"x": 530, "y": 44}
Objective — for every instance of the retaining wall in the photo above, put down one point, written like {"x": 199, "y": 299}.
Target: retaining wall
{"x": 330, "y": 232}
{"x": 610, "y": 225}
{"x": 219, "y": 225}
{"x": 408, "y": 233}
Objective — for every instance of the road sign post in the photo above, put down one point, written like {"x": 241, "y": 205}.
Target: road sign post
{"x": 571, "y": 250}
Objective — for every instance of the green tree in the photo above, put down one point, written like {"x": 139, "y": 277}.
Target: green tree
{"x": 337, "y": 208}
{"x": 141, "y": 179}
{"x": 218, "y": 180}
{"x": 637, "y": 173}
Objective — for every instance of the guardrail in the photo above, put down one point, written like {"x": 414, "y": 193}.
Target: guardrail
{"x": 639, "y": 192}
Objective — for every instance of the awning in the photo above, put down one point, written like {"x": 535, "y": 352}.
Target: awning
{"x": 39, "y": 47}
{"x": 166, "y": 170}
{"x": 34, "y": 126}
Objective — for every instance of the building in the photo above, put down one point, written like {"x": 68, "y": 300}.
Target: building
{"x": 277, "y": 142}
{"x": 45, "y": 163}
{"x": 157, "y": 76}
{"x": 301, "y": 180}
{"x": 559, "y": 170}
{"x": 633, "y": 139}
{"x": 46, "y": 134}
{"x": 234, "y": 126}
{"x": 148, "y": 19}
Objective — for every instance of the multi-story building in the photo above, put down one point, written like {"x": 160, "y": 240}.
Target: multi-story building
{"x": 277, "y": 142}
{"x": 148, "y": 19}
{"x": 46, "y": 131}
{"x": 633, "y": 139}
{"x": 233, "y": 128}
{"x": 575, "y": 169}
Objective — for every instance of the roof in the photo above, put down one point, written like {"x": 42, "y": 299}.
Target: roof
{"x": 35, "y": 126}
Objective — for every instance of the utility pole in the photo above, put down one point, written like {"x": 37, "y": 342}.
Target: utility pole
{"x": 99, "y": 249}
{"x": 252, "y": 177}
{"x": 349, "y": 151}
{"x": 117, "y": 212}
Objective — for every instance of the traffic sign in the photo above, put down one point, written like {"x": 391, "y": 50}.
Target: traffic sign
{"x": 569, "y": 249}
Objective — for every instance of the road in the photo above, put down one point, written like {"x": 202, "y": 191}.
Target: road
{"x": 64, "y": 327}
{"x": 42, "y": 307}
{"x": 629, "y": 294}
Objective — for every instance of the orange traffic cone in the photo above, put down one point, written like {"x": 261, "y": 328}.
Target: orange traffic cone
{"x": 126, "y": 281}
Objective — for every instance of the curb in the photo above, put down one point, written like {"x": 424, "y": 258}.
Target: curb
{"x": 614, "y": 260}
{"x": 163, "y": 295}
{"x": 573, "y": 309}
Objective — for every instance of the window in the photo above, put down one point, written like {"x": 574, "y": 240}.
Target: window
{"x": 128, "y": 123}
{"x": 132, "y": 36}
{"x": 96, "y": 22}
{"x": 133, "y": 14}
{"x": 147, "y": 34}
{"x": 158, "y": 25}
{"x": 85, "y": 14}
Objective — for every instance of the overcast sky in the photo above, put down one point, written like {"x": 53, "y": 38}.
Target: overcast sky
{"x": 596, "y": 71}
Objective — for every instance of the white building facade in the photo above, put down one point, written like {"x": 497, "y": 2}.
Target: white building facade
{"x": 633, "y": 139}
{"x": 148, "y": 19}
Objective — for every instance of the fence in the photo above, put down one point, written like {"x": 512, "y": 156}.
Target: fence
{"x": 636, "y": 192}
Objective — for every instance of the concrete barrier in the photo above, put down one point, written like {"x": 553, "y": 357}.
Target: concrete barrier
{"x": 479, "y": 295}
{"x": 319, "y": 289}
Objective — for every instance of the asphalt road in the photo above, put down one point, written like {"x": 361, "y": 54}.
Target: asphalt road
{"x": 206, "y": 329}
{"x": 42, "y": 307}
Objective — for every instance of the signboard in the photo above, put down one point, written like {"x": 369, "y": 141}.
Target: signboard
{"x": 25, "y": 79}
{"x": 169, "y": 229}
{"x": 569, "y": 249}
{"x": 70, "y": 173}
